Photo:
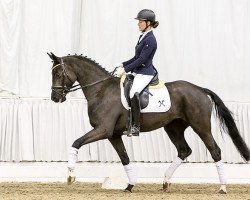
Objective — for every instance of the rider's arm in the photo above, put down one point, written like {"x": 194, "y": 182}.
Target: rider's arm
{"x": 129, "y": 61}
{"x": 148, "y": 48}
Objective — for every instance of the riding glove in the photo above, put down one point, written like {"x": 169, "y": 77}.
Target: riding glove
{"x": 119, "y": 71}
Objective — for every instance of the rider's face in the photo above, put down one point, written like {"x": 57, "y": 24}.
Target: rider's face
{"x": 141, "y": 25}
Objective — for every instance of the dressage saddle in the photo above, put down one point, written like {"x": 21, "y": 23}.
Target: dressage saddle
{"x": 144, "y": 95}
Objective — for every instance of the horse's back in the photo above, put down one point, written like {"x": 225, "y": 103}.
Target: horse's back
{"x": 188, "y": 98}
{"x": 184, "y": 88}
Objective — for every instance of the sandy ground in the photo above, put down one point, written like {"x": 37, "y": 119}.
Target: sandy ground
{"x": 51, "y": 191}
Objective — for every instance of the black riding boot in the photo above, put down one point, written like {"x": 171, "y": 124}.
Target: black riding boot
{"x": 135, "y": 109}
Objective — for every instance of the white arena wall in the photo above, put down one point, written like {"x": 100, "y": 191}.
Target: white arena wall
{"x": 40, "y": 130}
{"x": 37, "y": 133}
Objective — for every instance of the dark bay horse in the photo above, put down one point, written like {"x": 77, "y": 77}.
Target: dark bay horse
{"x": 190, "y": 106}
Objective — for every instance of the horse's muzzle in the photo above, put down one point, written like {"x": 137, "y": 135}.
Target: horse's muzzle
{"x": 57, "y": 98}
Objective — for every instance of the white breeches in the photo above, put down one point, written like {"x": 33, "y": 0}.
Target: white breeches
{"x": 140, "y": 82}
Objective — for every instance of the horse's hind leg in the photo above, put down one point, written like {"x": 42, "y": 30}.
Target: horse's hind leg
{"x": 175, "y": 131}
{"x": 118, "y": 145}
{"x": 202, "y": 126}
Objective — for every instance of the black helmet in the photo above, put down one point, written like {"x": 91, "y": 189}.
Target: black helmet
{"x": 146, "y": 15}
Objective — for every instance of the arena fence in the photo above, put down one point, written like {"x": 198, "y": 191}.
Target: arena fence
{"x": 34, "y": 129}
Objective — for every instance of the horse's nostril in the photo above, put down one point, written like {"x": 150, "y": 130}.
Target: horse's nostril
{"x": 53, "y": 98}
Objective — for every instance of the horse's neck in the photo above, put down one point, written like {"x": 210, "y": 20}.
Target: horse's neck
{"x": 88, "y": 74}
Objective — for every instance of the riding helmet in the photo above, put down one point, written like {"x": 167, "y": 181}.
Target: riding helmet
{"x": 146, "y": 15}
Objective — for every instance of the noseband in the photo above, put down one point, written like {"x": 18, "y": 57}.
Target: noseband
{"x": 72, "y": 88}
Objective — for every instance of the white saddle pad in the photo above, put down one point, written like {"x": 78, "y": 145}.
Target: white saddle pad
{"x": 159, "y": 102}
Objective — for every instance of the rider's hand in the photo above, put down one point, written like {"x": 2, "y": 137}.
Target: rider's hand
{"x": 119, "y": 71}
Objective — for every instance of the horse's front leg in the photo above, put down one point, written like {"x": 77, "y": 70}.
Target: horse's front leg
{"x": 118, "y": 145}
{"x": 96, "y": 134}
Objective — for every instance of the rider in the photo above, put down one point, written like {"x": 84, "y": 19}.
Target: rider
{"x": 141, "y": 64}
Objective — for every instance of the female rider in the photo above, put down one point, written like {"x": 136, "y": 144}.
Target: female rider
{"x": 141, "y": 65}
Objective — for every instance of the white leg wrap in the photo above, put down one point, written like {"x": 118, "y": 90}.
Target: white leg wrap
{"x": 132, "y": 178}
{"x": 174, "y": 165}
{"x": 72, "y": 158}
{"x": 221, "y": 172}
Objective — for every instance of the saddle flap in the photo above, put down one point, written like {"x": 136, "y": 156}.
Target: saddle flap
{"x": 156, "y": 98}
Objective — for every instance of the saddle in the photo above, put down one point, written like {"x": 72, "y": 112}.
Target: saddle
{"x": 144, "y": 95}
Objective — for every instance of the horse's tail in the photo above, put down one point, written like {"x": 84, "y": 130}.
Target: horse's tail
{"x": 229, "y": 125}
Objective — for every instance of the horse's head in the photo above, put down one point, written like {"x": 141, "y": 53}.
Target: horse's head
{"x": 63, "y": 78}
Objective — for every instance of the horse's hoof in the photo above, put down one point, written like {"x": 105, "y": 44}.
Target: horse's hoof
{"x": 127, "y": 191}
{"x": 223, "y": 190}
{"x": 70, "y": 180}
{"x": 129, "y": 188}
{"x": 166, "y": 186}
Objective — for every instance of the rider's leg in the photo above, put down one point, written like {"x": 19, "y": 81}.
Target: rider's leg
{"x": 136, "y": 110}
{"x": 140, "y": 82}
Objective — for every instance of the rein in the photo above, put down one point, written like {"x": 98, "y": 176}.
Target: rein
{"x": 73, "y": 88}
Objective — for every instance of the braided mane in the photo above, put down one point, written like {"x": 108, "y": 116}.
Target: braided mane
{"x": 85, "y": 58}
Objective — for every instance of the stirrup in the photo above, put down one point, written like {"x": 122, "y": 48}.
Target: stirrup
{"x": 134, "y": 131}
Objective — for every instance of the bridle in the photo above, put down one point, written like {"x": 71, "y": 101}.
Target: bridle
{"x": 65, "y": 89}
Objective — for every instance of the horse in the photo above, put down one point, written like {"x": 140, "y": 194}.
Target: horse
{"x": 191, "y": 106}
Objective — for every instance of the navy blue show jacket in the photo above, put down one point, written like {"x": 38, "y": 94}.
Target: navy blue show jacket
{"x": 142, "y": 62}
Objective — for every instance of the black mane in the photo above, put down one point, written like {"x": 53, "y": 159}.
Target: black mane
{"x": 85, "y": 58}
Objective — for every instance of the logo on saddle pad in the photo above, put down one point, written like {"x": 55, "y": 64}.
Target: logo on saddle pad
{"x": 154, "y": 98}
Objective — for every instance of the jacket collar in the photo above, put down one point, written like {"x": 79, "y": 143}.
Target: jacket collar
{"x": 146, "y": 34}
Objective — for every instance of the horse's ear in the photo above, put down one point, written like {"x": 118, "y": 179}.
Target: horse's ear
{"x": 53, "y": 56}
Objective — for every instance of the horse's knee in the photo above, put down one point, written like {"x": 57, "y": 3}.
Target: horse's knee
{"x": 184, "y": 154}
{"x": 77, "y": 143}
